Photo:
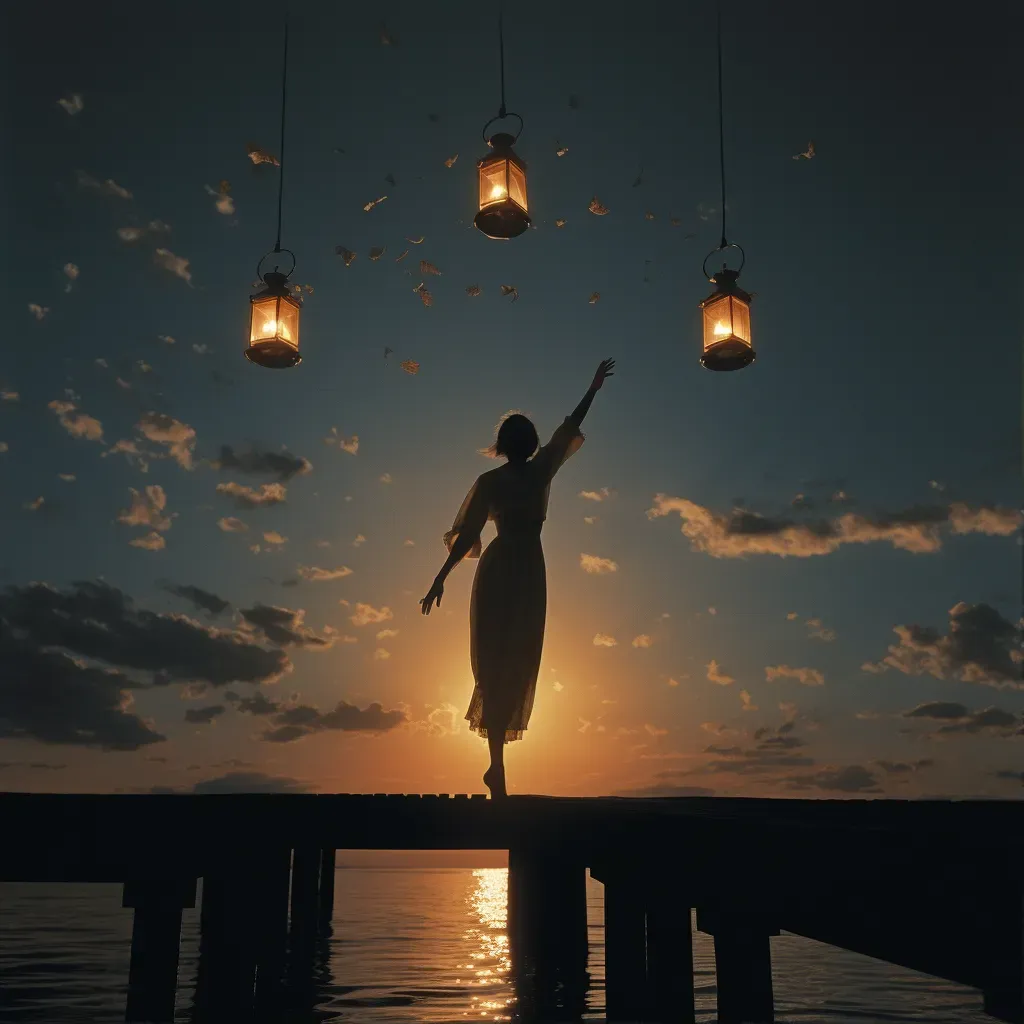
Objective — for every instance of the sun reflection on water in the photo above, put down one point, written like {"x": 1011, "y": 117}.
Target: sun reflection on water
{"x": 489, "y": 960}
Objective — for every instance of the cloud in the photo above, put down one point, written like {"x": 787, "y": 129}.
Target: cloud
{"x": 282, "y": 465}
{"x": 150, "y": 542}
{"x": 210, "y": 603}
{"x": 250, "y": 782}
{"x": 177, "y": 265}
{"x": 380, "y": 654}
{"x": 366, "y": 614}
{"x": 130, "y": 450}
{"x": 741, "y": 533}
{"x": 792, "y": 615}
{"x": 980, "y": 647}
{"x": 350, "y": 445}
{"x": 1007, "y": 773}
{"x": 99, "y": 622}
{"x": 146, "y": 509}
{"x": 275, "y": 538}
{"x": 179, "y": 438}
{"x": 600, "y": 495}
{"x": 203, "y": 716}
{"x": 133, "y": 234}
{"x": 807, "y": 676}
{"x": 904, "y": 767}
{"x": 71, "y": 271}
{"x": 597, "y": 565}
{"x": 7, "y": 395}
{"x": 385, "y": 478}
{"x": 246, "y": 497}
{"x": 852, "y": 778}
{"x": 816, "y": 631}
{"x": 716, "y": 675}
{"x": 643, "y": 640}
{"x": 653, "y": 730}
{"x": 590, "y": 520}
{"x": 255, "y": 704}
{"x": 748, "y": 701}
{"x": 229, "y": 524}
{"x": 284, "y": 626}
{"x": 73, "y": 105}
{"x": 664, "y": 790}
{"x": 315, "y": 573}
{"x": 223, "y": 201}
{"x": 52, "y": 697}
{"x": 938, "y": 709}
{"x": 303, "y": 720}
{"x": 384, "y": 634}
{"x": 603, "y": 640}
{"x": 77, "y": 424}
{"x": 359, "y": 541}
{"x": 39, "y": 312}
{"x": 108, "y": 187}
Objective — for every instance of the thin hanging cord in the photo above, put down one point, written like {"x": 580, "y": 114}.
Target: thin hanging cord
{"x": 721, "y": 123}
{"x": 284, "y": 97}
{"x": 501, "y": 48}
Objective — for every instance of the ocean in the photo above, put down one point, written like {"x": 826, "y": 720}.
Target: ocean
{"x": 415, "y": 944}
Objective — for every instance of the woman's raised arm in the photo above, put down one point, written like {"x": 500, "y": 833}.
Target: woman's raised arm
{"x": 604, "y": 370}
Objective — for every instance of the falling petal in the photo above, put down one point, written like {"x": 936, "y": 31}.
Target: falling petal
{"x": 559, "y": 223}
{"x": 415, "y": 241}
{"x": 346, "y": 254}
{"x": 373, "y": 202}
{"x": 648, "y": 215}
{"x": 425, "y": 297}
{"x": 560, "y": 150}
{"x": 575, "y": 102}
{"x": 639, "y": 179}
{"x": 260, "y": 156}
{"x": 597, "y": 207}
{"x": 594, "y": 298}
{"x": 473, "y": 291}
{"x": 509, "y": 289}
{"x": 410, "y": 365}
{"x": 451, "y": 160}
{"x": 309, "y": 289}
{"x": 808, "y": 154}
{"x": 429, "y": 268}
{"x": 399, "y": 258}
{"x": 224, "y": 187}
{"x": 377, "y": 251}
{"x": 390, "y": 179}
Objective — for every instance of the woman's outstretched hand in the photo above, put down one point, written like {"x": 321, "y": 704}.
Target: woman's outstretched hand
{"x": 603, "y": 371}
{"x": 435, "y": 593}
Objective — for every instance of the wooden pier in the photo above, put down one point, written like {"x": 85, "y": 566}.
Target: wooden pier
{"x": 934, "y": 886}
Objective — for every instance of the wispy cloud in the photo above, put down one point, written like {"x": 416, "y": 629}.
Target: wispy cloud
{"x": 108, "y": 187}
{"x": 366, "y": 614}
{"x": 316, "y": 574}
{"x": 177, "y": 265}
{"x": 248, "y": 497}
{"x": 603, "y": 640}
{"x": 178, "y": 438}
{"x": 151, "y": 541}
{"x": 807, "y": 676}
{"x": 146, "y": 509}
{"x": 77, "y": 424}
{"x": 596, "y": 565}
{"x": 229, "y": 524}
{"x": 39, "y": 312}
{"x": 643, "y": 640}
{"x": 601, "y": 495}
{"x": 716, "y": 675}
{"x": 73, "y": 104}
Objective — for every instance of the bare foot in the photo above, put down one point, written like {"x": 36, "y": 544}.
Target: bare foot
{"x": 494, "y": 780}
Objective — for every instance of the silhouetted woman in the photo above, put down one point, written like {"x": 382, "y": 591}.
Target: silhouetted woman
{"x": 506, "y": 612}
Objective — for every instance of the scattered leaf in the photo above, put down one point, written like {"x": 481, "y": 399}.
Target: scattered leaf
{"x": 260, "y": 156}
{"x": 401, "y": 256}
{"x": 415, "y": 241}
{"x": 451, "y": 160}
{"x": 346, "y": 254}
{"x": 594, "y": 298}
{"x": 597, "y": 207}
{"x": 429, "y": 268}
{"x": 473, "y": 291}
{"x": 377, "y": 251}
{"x": 373, "y": 202}
{"x": 72, "y": 106}
{"x": 509, "y": 289}
{"x": 390, "y": 179}
{"x": 224, "y": 187}
{"x": 808, "y": 154}
{"x": 308, "y": 288}
{"x": 425, "y": 297}
{"x": 648, "y": 215}
{"x": 410, "y": 365}
{"x": 560, "y": 150}
{"x": 560, "y": 223}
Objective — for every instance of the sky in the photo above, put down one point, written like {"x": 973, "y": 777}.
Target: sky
{"x": 800, "y": 579}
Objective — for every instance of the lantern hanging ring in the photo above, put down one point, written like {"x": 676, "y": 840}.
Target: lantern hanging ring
{"x": 500, "y": 116}
{"x": 722, "y": 248}
{"x": 274, "y": 252}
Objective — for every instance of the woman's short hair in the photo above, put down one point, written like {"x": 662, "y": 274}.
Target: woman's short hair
{"x": 516, "y": 438}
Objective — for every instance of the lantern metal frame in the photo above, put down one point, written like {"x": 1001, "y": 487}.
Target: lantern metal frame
{"x": 732, "y": 352}
{"x": 275, "y": 353}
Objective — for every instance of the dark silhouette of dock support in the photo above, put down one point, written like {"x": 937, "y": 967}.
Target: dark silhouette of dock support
{"x": 228, "y": 943}
{"x": 669, "y": 953}
{"x": 326, "y": 896}
{"x": 743, "y": 964}
{"x": 156, "y": 937}
{"x": 305, "y": 905}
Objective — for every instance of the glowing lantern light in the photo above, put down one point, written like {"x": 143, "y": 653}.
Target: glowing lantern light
{"x": 726, "y": 312}
{"x": 503, "y": 211}
{"x": 274, "y": 325}
{"x": 273, "y": 311}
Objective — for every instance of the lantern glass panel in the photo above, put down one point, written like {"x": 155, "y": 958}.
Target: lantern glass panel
{"x": 517, "y": 184}
{"x": 275, "y": 318}
{"x": 726, "y": 318}
{"x": 493, "y": 181}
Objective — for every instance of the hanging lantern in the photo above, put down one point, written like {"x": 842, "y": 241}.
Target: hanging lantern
{"x": 504, "y": 210}
{"x": 274, "y": 324}
{"x": 726, "y": 314}
{"x": 273, "y": 312}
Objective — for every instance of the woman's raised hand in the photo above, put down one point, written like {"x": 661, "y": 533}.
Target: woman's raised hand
{"x": 435, "y": 593}
{"x": 603, "y": 371}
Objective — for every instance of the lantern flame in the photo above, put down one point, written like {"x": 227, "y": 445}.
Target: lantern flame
{"x": 722, "y": 329}
{"x": 273, "y": 328}
{"x": 499, "y": 192}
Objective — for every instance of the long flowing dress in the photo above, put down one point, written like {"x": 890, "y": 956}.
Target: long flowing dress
{"x": 509, "y": 602}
